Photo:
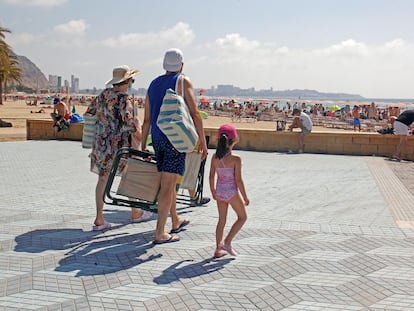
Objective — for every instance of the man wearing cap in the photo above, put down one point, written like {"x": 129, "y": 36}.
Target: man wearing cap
{"x": 170, "y": 162}
{"x": 114, "y": 128}
{"x": 303, "y": 121}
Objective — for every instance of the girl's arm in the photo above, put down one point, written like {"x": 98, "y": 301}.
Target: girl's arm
{"x": 211, "y": 177}
{"x": 239, "y": 179}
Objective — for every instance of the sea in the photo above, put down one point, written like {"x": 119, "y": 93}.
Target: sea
{"x": 403, "y": 104}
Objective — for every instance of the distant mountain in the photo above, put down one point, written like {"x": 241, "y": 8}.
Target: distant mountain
{"x": 313, "y": 94}
{"x": 296, "y": 94}
{"x": 32, "y": 76}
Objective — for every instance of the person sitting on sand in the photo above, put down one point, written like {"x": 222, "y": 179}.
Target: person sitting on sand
{"x": 40, "y": 111}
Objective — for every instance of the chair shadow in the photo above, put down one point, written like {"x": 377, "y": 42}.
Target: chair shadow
{"x": 175, "y": 273}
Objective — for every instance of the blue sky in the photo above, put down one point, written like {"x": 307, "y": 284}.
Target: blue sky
{"x": 355, "y": 46}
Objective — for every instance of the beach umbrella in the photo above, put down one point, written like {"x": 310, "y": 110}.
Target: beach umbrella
{"x": 201, "y": 91}
{"x": 334, "y": 108}
{"x": 204, "y": 101}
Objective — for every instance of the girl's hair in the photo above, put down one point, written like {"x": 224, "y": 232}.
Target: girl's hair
{"x": 223, "y": 145}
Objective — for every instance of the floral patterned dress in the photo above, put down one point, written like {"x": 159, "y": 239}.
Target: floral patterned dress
{"x": 113, "y": 129}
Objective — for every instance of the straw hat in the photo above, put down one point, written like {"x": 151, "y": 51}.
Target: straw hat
{"x": 122, "y": 73}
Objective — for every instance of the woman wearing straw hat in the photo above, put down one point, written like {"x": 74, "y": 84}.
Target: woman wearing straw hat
{"x": 114, "y": 128}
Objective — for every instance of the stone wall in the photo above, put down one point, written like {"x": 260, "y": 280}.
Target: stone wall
{"x": 44, "y": 130}
{"x": 265, "y": 140}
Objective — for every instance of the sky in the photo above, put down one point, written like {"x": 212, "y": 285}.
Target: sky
{"x": 363, "y": 47}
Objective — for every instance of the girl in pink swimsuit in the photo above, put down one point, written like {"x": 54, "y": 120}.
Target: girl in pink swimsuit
{"x": 229, "y": 188}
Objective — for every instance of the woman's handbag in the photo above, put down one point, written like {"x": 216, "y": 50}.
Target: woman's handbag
{"x": 175, "y": 120}
{"x": 89, "y": 125}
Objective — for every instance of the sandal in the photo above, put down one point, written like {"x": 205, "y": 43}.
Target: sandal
{"x": 229, "y": 249}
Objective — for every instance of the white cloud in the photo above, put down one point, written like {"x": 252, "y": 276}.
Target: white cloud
{"x": 38, "y": 3}
{"x": 349, "y": 66}
{"x": 21, "y": 39}
{"x": 73, "y": 27}
{"x": 179, "y": 35}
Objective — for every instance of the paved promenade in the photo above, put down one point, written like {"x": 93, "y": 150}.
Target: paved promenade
{"x": 324, "y": 232}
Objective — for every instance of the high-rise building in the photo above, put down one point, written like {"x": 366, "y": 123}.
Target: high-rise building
{"x": 53, "y": 83}
{"x": 74, "y": 84}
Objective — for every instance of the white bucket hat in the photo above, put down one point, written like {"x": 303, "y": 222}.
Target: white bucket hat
{"x": 122, "y": 73}
{"x": 173, "y": 60}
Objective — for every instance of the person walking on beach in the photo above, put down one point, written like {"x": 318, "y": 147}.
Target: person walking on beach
{"x": 303, "y": 121}
{"x": 355, "y": 115}
{"x": 401, "y": 128}
{"x": 114, "y": 128}
{"x": 170, "y": 162}
{"x": 229, "y": 189}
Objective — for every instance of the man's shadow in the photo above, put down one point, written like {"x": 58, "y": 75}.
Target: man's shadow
{"x": 90, "y": 252}
{"x": 174, "y": 273}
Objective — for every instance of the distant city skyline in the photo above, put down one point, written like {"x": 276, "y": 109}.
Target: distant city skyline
{"x": 354, "y": 47}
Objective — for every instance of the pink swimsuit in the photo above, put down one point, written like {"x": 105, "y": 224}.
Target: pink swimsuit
{"x": 226, "y": 187}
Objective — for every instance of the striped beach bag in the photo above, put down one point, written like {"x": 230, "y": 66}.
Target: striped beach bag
{"x": 175, "y": 121}
{"x": 89, "y": 129}
{"x": 89, "y": 126}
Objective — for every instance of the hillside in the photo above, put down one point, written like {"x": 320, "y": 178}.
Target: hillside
{"x": 32, "y": 76}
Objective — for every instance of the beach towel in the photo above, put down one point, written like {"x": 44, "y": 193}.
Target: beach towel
{"x": 175, "y": 120}
{"x": 75, "y": 118}
{"x": 192, "y": 168}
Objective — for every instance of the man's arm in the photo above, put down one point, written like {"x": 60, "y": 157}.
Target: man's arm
{"x": 195, "y": 114}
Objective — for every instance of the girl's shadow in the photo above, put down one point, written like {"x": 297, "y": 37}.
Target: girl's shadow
{"x": 174, "y": 273}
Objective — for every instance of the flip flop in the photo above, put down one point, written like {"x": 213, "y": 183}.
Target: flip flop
{"x": 145, "y": 216}
{"x": 180, "y": 227}
{"x": 219, "y": 253}
{"x": 106, "y": 225}
{"x": 171, "y": 239}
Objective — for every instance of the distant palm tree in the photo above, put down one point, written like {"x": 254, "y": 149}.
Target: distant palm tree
{"x": 9, "y": 64}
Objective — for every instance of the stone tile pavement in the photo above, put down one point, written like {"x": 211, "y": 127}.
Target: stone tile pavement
{"x": 324, "y": 232}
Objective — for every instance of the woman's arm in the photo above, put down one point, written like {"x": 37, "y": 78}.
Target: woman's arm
{"x": 147, "y": 122}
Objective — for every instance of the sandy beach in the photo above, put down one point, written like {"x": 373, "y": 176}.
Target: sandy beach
{"x": 17, "y": 112}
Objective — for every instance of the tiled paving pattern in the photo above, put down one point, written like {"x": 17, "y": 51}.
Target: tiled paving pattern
{"x": 324, "y": 233}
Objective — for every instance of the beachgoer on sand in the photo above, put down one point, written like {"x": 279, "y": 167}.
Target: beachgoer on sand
{"x": 356, "y": 114}
{"x": 229, "y": 188}
{"x": 170, "y": 162}
{"x": 303, "y": 121}
{"x": 114, "y": 128}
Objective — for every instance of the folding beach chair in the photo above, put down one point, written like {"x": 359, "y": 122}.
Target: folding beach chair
{"x": 135, "y": 182}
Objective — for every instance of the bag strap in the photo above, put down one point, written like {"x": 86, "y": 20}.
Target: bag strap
{"x": 181, "y": 76}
